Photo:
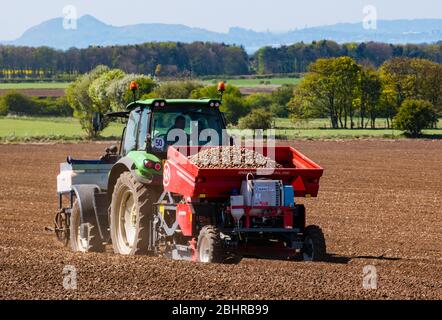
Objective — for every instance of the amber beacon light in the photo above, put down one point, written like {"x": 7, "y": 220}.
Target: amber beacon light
{"x": 134, "y": 88}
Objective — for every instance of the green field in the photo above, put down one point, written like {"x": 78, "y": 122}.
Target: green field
{"x": 235, "y": 82}
{"x": 33, "y": 85}
{"x": 321, "y": 129}
{"x": 22, "y": 129}
{"x": 52, "y": 129}
{"x": 258, "y": 82}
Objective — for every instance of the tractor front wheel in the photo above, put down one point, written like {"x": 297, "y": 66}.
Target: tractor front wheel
{"x": 314, "y": 244}
{"x": 131, "y": 215}
{"x": 84, "y": 237}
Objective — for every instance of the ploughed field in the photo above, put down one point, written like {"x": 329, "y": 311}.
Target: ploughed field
{"x": 379, "y": 204}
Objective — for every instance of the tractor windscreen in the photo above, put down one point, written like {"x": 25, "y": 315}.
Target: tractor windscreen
{"x": 186, "y": 125}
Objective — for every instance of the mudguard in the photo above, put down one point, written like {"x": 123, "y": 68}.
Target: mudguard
{"x": 134, "y": 163}
{"x": 93, "y": 206}
{"x": 124, "y": 164}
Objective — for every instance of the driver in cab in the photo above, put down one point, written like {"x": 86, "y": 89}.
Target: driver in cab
{"x": 176, "y": 133}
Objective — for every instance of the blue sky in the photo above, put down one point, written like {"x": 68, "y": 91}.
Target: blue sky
{"x": 217, "y": 15}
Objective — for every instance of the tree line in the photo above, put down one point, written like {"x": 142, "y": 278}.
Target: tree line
{"x": 297, "y": 57}
{"x": 354, "y": 96}
{"x": 168, "y": 59}
{"x": 171, "y": 59}
{"x": 17, "y": 104}
{"x": 406, "y": 92}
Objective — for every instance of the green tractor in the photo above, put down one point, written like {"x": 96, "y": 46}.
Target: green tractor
{"x": 110, "y": 199}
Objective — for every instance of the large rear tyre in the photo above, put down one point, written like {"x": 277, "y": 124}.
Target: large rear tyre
{"x": 209, "y": 245}
{"x": 84, "y": 237}
{"x": 314, "y": 244}
{"x": 131, "y": 215}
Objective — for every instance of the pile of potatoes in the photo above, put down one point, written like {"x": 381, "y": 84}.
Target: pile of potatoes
{"x": 232, "y": 157}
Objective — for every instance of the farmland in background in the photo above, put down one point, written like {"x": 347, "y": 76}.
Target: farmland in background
{"x": 247, "y": 86}
{"x": 256, "y": 82}
{"x": 33, "y": 85}
{"x": 41, "y": 129}
{"x": 46, "y": 129}
{"x": 249, "y": 82}
{"x": 35, "y": 89}
{"x": 286, "y": 129}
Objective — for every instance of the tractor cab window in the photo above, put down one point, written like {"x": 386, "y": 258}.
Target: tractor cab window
{"x": 186, "y": 125}
{"x": 130, "y": 134}
{"x": 143, "y": 128}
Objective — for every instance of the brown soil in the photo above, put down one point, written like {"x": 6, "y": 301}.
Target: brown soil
{"x": 380, "y": 203}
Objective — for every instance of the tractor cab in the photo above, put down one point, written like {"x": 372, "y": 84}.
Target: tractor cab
{"x": 154, "y": 125}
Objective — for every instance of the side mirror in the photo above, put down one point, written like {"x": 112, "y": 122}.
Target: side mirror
{"x": 98, "y": 121}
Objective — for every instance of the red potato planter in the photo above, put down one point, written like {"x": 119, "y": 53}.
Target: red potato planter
{"x": 186, "y": 178}
{"x": 223, "y": 230}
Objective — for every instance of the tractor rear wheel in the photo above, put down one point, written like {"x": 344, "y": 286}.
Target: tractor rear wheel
{"x": 84, "y": 237}
{"x": 209, "y": 245}
{"x": 131, "y": 215}
{"x": 314, "y": 244}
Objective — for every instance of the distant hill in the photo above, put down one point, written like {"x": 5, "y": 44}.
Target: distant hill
{"x": 91, "y": 31}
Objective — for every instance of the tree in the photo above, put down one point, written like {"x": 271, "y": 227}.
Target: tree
{"x": 23, "y": 105}
{"x": 234, "y": 108}
{"x": 18, "y": 104}
{"x": 415, "y": 115}
{"x": 279, "y": 110}
{"x": 211, "y": 92}
{"x": 3, "y": 107}
{"x": 98, "y": 92}
{"x": 259, "y": 100}
{"x": 175, "y": 90}
{"x": 432, "y": 85}
{"x": 233, "y": 104}
{"x": 119, "y": 92}
{"x": 315, "y": 97}
{"x": 283, "y": 94}
{"x": 276, "y": 102}
{"x": 257, "y": 119}
{"x": 370, "y": 93}
{"x": 78, "y": 97}
{"x": 328, "y": 89}
{"x": 346, "y": 75}
{"x": 414, "y": 79}
{"x": 387, "y": 106}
